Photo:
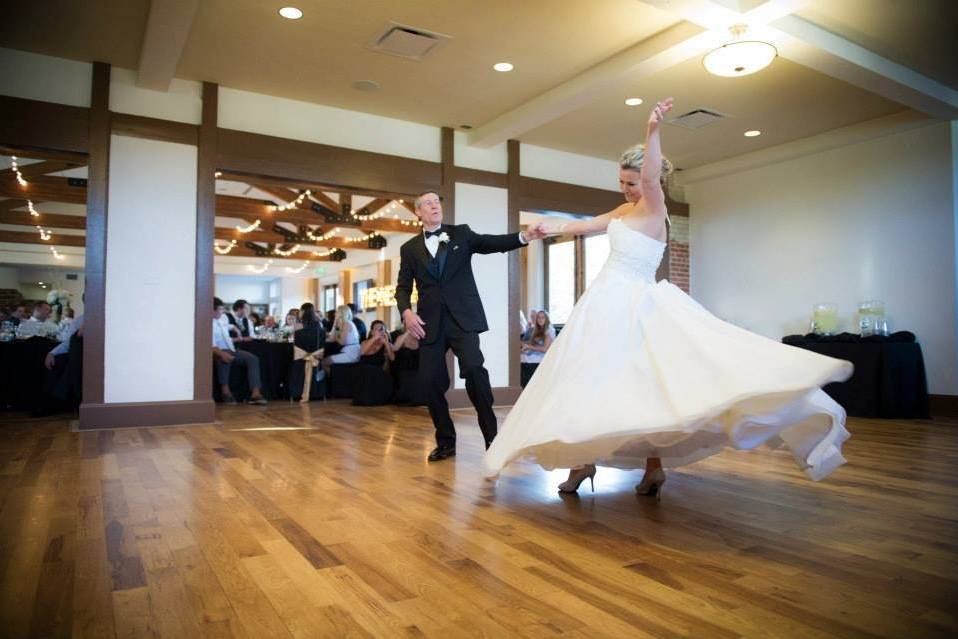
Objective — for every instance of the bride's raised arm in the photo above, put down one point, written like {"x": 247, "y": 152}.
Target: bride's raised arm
{"x": 651, "y": 180}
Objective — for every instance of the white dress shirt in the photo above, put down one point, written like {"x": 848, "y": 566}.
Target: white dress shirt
{"x": 64, "y": 346}
{"x": 221, "y": 336}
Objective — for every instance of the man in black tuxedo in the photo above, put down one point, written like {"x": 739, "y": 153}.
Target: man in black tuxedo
{"x": 450, "y": 314}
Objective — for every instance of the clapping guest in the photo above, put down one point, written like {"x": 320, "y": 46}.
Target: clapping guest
{"x": 226, "y": 356}
{"x": 539, "y": 340}
{"x": 240, "y": 319}
{"x": 530, "y": 326}
{"x": 347, "y": 336}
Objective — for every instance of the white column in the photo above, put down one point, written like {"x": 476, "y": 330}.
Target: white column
{"x": 150, "y": 271}
{"x": 486, "y": 210}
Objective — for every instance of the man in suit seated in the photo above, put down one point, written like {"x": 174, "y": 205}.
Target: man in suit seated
{"x": 240, "y": 319}
{"x": 226, "y": 356}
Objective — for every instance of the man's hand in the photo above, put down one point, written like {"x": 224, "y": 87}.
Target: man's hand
{"x": 49, "y": 360}
{"x": 414, "y": 323}
{"x": 226, "y": 357}
{"x": 535, "y": 231}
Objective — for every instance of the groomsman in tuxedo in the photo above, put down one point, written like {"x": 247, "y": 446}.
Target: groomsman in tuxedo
{"x": 449, "y": 314}
{"x": 239, "y": 318}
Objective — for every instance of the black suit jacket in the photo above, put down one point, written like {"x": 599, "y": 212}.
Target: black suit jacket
{"x": 244, "y": 324}
{"x": 455, "y": 287}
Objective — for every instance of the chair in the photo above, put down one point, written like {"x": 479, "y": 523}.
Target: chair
{"x": 307, "y": 341}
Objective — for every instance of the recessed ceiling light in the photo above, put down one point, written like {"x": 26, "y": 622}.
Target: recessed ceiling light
{"x": 503, "y": 67}
{"x": 753, "y": 133}
{"x": 291, "y": 13}
{"x": 633, "y": 101}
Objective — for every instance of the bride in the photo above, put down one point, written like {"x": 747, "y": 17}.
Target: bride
{"x": 688, "y": 384}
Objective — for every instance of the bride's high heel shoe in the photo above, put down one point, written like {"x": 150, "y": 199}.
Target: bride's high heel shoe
{"x": 576, "y": 477}
{"x": 651, "y": 485}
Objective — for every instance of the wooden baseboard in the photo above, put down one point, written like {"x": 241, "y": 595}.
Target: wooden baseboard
{"x": 139, "y": 414}
{"x": 504, "y": 396}
{"x": 943, "y": 406}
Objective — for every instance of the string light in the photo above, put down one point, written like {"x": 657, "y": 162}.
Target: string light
{"x": 45, "y": 234}
{"x": 301, "y": 268}
{"x": 279, "y": 251}
{"x": 32, "y": 210}
{"x": 217, "y": 174}
{"x": 261, "y": 269}
{"x": 225, "y": 250}
{"x": 248, "y": 229}
{"x": 325, "y": 236}
{"x": 325, "y": 253}
{"x": 16, "y": 169}
{"x": 363, "y": 238}
{"x": 294, "y": 204}
{"x": 56, "y": 253}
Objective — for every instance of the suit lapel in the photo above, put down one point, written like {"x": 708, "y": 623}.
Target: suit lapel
{"x": 454, "y": 253}
{"x": 422, "y": 254}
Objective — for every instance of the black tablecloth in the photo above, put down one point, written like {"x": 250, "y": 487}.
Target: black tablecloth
{"x": 274, "y": 364}
{"x": 22, "y": 372}
{"x": 889, "y": 378}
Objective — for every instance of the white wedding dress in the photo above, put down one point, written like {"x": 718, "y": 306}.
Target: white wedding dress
{"x": 641, "y": 370}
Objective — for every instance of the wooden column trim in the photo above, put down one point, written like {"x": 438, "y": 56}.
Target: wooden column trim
{"x": 512, "y": 183}
{"x": 447, "y": 189}
{"x": 96, "y": 228}
{"x": 205, "y": 223}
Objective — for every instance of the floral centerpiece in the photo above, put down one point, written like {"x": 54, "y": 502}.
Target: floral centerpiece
{"x": 59, "y": 299}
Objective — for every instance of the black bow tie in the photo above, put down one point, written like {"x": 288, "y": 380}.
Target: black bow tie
{"x": 437, "y": 232}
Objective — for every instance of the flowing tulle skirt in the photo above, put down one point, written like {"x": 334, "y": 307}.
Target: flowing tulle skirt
{"x": 641, "y": 370}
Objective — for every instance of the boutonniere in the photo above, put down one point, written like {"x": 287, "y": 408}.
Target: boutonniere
{"x": 443, "y": 237}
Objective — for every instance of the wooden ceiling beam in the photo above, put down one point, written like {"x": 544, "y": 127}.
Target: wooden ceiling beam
{"x": 79, "y": 159}
{"x": 46, "y": 220}
{"x": 299, "y": 256}
{"x": 280, "y": 239}
{"x": 43, "y": 189}
{"x": 18, "y": 237}
{"x": 40, "y": 168}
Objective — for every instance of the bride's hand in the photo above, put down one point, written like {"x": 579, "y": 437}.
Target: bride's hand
{"x": 658, "y": 113}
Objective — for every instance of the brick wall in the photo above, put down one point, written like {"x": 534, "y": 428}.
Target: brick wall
{"x": 679, "y": 252}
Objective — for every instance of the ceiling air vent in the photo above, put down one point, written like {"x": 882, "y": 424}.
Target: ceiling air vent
{"x": 696, "y": 118}
{"x": 407, "y": 42}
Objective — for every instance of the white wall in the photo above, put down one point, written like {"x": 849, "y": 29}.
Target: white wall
{"x": 150, "y": 271}
{"x": 561, "y": 166}
{"x": 40, "y": 77}
{"x": 873, "y": 220}
{"x": 183, "y": 102}
{"x": 230, "y": 288}
{"x": 9, "y": 277}
{"x": 244, "y": 111}
{"x": 486, "y": 210}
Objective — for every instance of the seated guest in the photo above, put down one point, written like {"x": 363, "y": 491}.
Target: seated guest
{"x": 226, "y": 356}
{"x": 529, "y": 327}
{"x": 41, "y": 315}
{"x": 539, "y": 341}
{"x": 310, "y": 338}
{"x": 373, "y": 385}
{"x": 360, "y": 324}
{"x": 18, "y": 314}
{"x": 328, "y": 320}
{"x": 346, "y": 335}
{"x": 292, "y": 322}
{"x": 377, "y": 349}
{"x": 256, "y": 320}
{"x": 405, "y": 369}
{"x": 240, "y": 319}
{"x": 74, "y": 327}
{"x": 269, "y": 322}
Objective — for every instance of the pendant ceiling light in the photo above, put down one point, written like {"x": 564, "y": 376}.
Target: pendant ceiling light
{"x": 739, "y": 57}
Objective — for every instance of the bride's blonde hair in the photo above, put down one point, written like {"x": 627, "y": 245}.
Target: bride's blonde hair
{"x": 634, "y": 156}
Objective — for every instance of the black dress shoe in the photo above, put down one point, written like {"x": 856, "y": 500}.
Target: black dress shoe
{"x": 441, "y": 452}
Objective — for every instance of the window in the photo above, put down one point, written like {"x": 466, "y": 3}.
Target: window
{"x": 358, "y": 289}
{"x": 561, "y": 280}
{"x": 596, "y": 253}
{"x": 330, "y": 293}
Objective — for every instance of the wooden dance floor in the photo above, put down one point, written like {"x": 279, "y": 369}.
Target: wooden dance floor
{"x": 326, "y": 521}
